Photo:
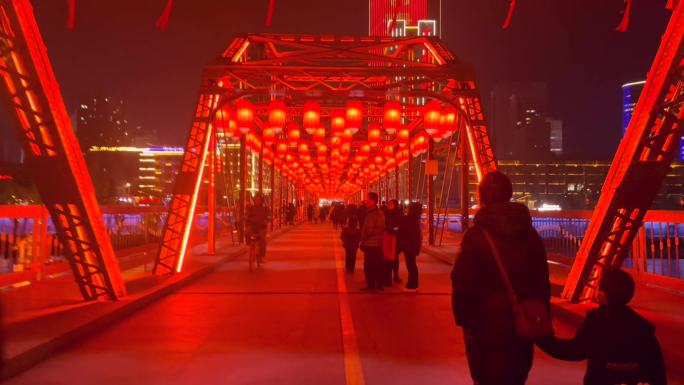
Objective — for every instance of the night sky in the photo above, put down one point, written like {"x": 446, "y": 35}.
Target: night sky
{"x": 569, "y": 44}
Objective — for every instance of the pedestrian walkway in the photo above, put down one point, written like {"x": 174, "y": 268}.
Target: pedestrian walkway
{"x": 298, "y": 320}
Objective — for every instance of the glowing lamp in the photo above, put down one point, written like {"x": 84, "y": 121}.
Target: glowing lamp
{"x": 365, "y": 149}
{"x": 293, "y": 134}
{"x": 269, "y": 135}
{"x": 379, "y": 160}
{"x": 245, "y": 115}
{"x": 354, "y": 116}
{"x": 337, "y": 122}
{"x": 374, "y": 134}
{"x": 319, "y": 135}
{"x": 449, "y": 119}
{"x": 311, "y": 117}
{"x": 303, "y": 149}
{"x": 277, "y": 114}
{"x": 388, "y": 151}
{"x": 432, "y": 119}
{"x": 281, "y": 149}
{"x": 392, "y": 120}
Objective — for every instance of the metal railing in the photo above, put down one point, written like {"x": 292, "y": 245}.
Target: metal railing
{"x": 658, "y": 248}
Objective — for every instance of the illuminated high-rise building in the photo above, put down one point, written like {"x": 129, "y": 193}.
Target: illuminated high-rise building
{"x": 413, "y": 18}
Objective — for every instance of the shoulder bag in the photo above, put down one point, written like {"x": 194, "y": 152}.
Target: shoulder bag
{"x": 531, "y": 316}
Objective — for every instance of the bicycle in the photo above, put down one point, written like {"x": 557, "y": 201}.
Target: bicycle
{"x": 253, "y": 251}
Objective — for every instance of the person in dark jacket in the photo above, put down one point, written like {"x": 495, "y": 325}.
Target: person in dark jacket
{"x": 351, "y": 237}
{"x": 372, "y": 235}
{"x": 481, "y": 303}
{"x": 619, "y": 344}
{"x": 409, "y": 242}
{"x": 257, "y": 219}
{"x": 392, "y": 220}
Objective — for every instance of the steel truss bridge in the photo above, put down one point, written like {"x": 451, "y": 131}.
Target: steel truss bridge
{"x": 331, "y": 115}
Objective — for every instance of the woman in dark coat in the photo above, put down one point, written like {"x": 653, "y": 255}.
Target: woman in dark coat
{"x": 409, "y": 241}
{"x": 392, "y": 221}
{"x": 481, "y": 304}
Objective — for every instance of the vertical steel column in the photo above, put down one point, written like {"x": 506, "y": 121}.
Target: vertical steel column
{"x": 465, "y": 199}
{"x": 242, "y": 200}
{"x": 409, "y": 172}
{"x": 430, "y": 187}
{"x": 396, "y": 183}
{"x": 261, "y": 171}
{"x": 281, "y": 202}
{"x": 272, "y": 193}
{"x": 211, "y": 196}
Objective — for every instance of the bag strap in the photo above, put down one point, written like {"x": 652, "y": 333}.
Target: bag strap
{"x": 502, "y": 268}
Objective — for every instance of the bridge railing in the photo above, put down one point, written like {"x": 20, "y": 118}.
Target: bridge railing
{"x": 658, "y": 248}
{"x": 30, "y": 249}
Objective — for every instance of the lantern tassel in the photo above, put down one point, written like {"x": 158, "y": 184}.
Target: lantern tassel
{"x": 269, "y": 15}
{"x": 624, "y": 23}
{"x": 71, "y": 21}
{"x": 163, "y": 20}
{"x": 511, "y": 9}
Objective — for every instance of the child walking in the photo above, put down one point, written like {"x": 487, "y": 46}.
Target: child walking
{"x": 619, "y": 344}
{"x": 351, "y": 236}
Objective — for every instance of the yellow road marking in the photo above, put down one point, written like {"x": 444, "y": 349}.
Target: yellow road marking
{"x": 353, "y": 370}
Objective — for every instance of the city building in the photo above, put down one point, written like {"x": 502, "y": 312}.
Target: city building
{"x": 574, "y": 185}
{"x": 142, "y": 175}
{"x": 521, "y": 128}
{"x": 630, "y": 97}
{"x": 413, "y": 18}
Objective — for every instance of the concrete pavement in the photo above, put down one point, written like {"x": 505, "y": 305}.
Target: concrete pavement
{"x": 298, "y": 320}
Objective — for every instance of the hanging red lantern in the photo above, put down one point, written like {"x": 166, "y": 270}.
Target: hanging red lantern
{"x": 224, "y": 121}
{"x": 337, "y": 123}
{"x": 392, "y": 120}
{"x": 281, "y": 149}
{"x": 388, "y": 151}
{"x": 403, "y": 136}
{"x": 268, "y": 135}
{"x": 374, "y": 134}
{"x": 245, "y": 115}
{"x": 293, "y": 134}
{"x": 432, "y": 119}
{"x": 277, "y": 115}
{"x": 354, "y": 116}
{"x": 319, "y": 135}
{"x": 311, "y": 117}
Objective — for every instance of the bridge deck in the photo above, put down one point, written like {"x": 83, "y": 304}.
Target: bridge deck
{"x": 290, "y": 323}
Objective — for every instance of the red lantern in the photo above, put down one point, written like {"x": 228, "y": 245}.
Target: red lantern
{"x": 245, "y": 115}
{"x": 224, "y": 121}
{"x": 392, "y": 120}
{"x": 293, "y": 134}
{"x": 354, "y": 116}
{"x": 374, "y": 134}
{"x": 281, "y": 149}
{"x": 337, "y": 122}
{"x": 403, "y": 136}
{"x": 311, "y": 117}
{"x": 432, "y": 119}
{"x": 319, "y": 135}
{"x": 269, "y": 135}
{"x": 277, "y": 114}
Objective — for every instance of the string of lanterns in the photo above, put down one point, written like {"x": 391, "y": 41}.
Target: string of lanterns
{"x": 333, "y": 155}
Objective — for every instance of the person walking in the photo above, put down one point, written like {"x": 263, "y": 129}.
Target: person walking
{"x": 309, "y": 213}
{"x": 612, "y": 358}
{"x": 482, "y": 304}
{"x": 409, "y": 242}
{"x": 392, "y": 221}
{"x": 372, "y": 234}
{"x": 316, "y": 212}
{"x": 351, "y": 237}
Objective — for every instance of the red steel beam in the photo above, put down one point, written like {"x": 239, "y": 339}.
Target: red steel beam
{"x": 638, "y": 169}
{"x": 32, "y": 95}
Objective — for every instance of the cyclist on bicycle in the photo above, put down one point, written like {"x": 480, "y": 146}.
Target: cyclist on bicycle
{"x": 257, "y": 221}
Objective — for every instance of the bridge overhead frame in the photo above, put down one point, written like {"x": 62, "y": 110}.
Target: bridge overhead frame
{"x": 330, "y": 70}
